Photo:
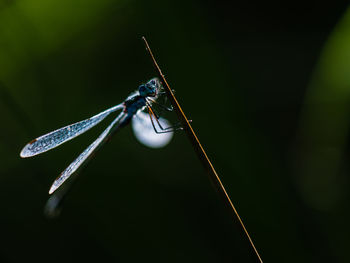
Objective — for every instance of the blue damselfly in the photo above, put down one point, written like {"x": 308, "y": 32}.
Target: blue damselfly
{"x": 148, "y": 127}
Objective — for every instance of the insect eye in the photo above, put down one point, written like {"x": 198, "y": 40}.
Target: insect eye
{"x": 142, "y": 88}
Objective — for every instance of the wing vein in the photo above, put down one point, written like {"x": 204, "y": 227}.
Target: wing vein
{"x": 83, "y": 157}
{"x": 55, "y": 138}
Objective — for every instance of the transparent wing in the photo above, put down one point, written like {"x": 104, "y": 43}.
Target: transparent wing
{"x": 54, "y": 204}
{"x": 85, "y": 154}
{"x": 57, "y": 137}
{"x": 144, "y": 131}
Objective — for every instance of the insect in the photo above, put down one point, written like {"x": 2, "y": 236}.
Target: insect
{"x": 148, "y": 128}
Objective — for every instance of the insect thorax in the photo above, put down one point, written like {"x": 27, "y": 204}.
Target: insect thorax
{"x": 133, "y": 104}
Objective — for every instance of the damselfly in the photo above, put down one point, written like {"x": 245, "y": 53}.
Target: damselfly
{"x": 151, "y": 130}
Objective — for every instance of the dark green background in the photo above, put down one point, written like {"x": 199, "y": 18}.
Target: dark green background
{"x": 266, "y": 84}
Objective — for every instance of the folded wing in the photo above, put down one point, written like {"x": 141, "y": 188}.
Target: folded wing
{"x": 57, "y": 137}
{"x": 83, "y": 157}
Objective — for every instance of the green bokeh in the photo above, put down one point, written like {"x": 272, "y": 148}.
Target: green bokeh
{"x": 241, "y": 73}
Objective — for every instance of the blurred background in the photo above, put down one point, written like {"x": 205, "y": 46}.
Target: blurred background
{"x": 267, "y": 85}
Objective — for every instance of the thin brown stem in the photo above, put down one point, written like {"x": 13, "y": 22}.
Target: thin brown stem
{"x": 199, "y": 149}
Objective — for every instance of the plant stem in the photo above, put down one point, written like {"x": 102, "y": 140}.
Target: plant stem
{"x": 199, "y": 149}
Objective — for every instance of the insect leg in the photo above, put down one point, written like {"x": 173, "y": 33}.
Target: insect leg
{"x": 161, "y": 105}
{"x": 163, "y": 130}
